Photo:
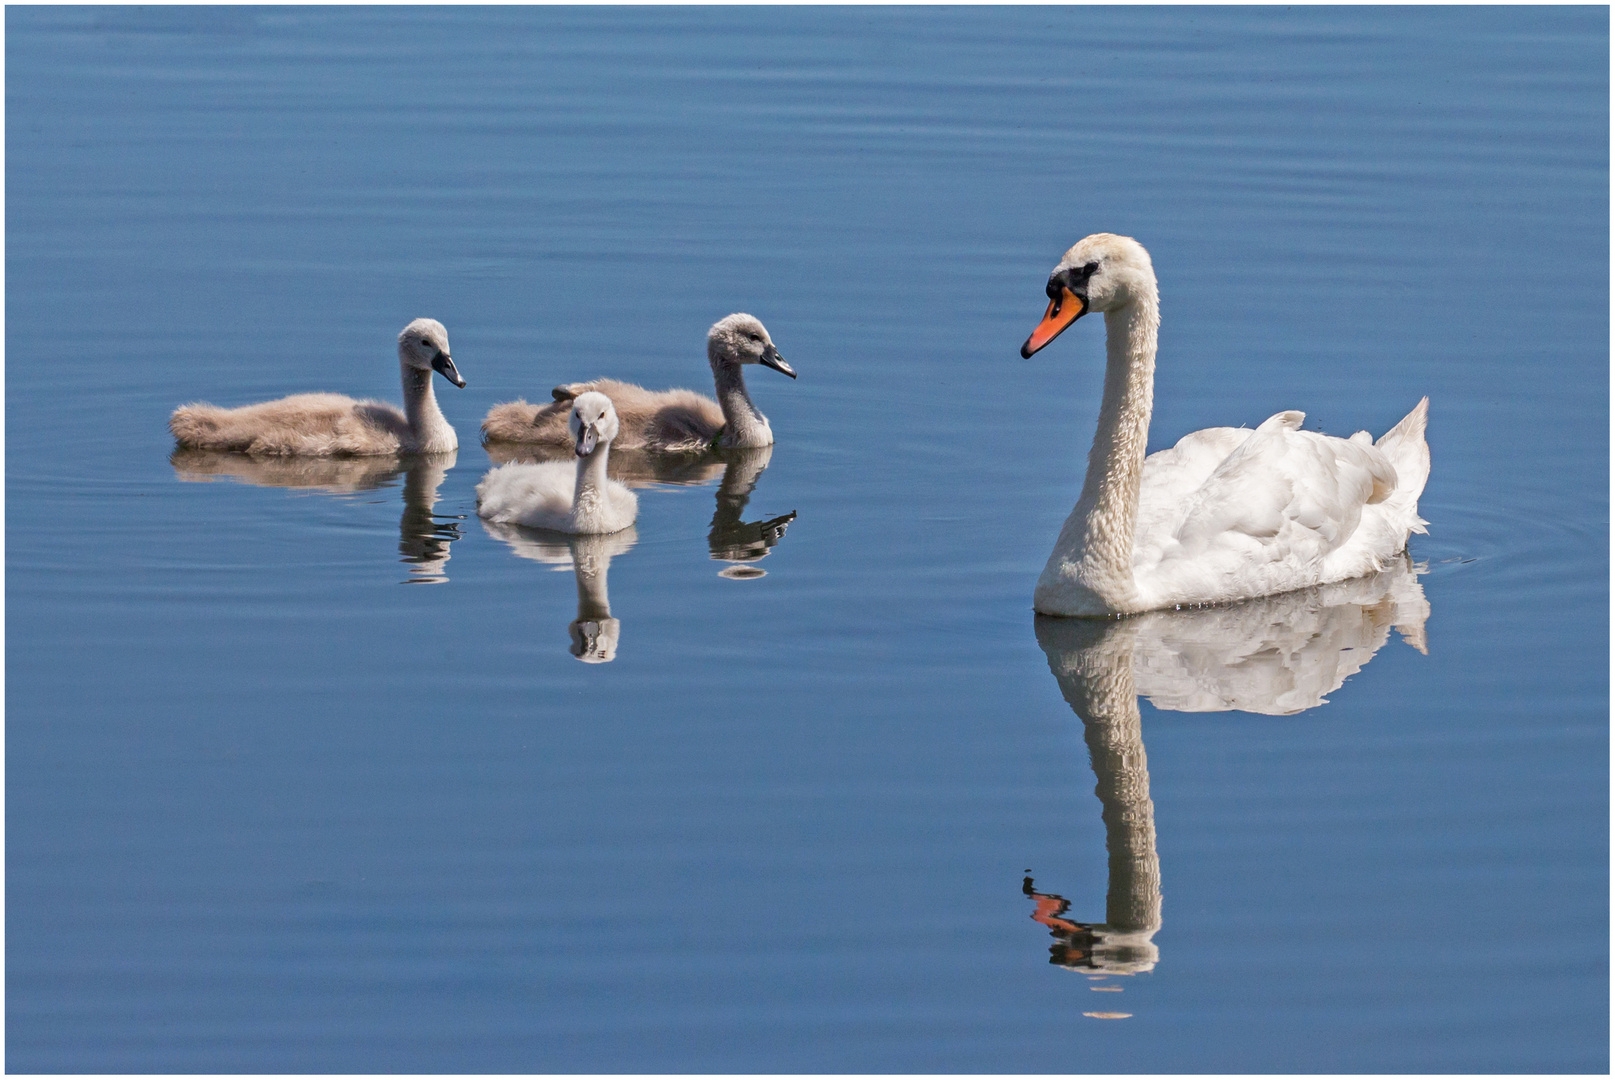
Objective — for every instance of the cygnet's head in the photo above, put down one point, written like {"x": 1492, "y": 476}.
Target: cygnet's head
{"x": 741, "y": 339}
{"x": 593, "y": 422}
{"x": 1102, "y": 272}
{"x": 424, "y": 345}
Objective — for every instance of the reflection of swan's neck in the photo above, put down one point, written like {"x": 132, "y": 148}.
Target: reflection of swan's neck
{"x": 427, "y": 424}
{"x": 730, "y": 539}
{"x": 740, "y": 475}
{"x": 589, "y": 494}
{"x": 590, "y": 569}
{"x": 743, "y": 425}
{"x": 421, "y": 482}
{"x": 594, "y": 632}
{"x": 422, "y": 541}
{"x": 1115, "y": 741}
{"x": 741, "y": 470}
{"x": 1097, "y": 540}
{"x": 1097, "y": 680}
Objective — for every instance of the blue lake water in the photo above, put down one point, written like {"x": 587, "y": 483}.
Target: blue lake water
{"x": 303, "y": 772}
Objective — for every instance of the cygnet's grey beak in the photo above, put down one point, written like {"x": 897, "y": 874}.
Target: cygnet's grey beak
{"x": 772, "y": 358}
{"x": 587, "y": 440}
{"x": 443, "y": 364}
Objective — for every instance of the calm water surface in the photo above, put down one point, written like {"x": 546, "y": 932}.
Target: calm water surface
{"x": 305, "y": 773}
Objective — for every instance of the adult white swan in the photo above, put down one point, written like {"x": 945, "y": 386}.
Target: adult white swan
{"x": 1227, "y": 513}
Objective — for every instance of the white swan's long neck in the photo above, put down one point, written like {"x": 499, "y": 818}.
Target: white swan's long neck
{"x": 589, "y": 494}
{"x": 743, "y": 424}
{"x": 430, "y": 428}
{"x": 1091, "y": 570}
{"x": 1116, "y": 461}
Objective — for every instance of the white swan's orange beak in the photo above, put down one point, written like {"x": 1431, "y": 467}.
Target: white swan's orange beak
{"x": 1064, "y": 310}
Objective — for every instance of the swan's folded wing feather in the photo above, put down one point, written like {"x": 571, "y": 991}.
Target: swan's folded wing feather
{"x": 1283, "y": 498}
{"x": 538, "y": 495}
{"x": 1168, "y": 485}
{"x": 1172, "y": 475}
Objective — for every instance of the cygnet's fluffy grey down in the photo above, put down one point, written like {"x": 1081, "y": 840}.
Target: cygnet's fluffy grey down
{"x": 676, "y": 420}
{"x": 553, "y": 495}
{"x": 331, "y": 425}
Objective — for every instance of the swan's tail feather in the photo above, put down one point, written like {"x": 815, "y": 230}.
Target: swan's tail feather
{"x": 511, "y": 421}
{"x": 1407, "y": 450}
{"x": 1289, "y": 418}
{"x": 196, "y": 425}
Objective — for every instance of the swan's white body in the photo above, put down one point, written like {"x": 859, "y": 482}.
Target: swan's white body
{"x": 553, "y": 495}
{"x": 1228, "y": 513}
{"x": 332, "y": 425}
{"x": 671, "y": 420}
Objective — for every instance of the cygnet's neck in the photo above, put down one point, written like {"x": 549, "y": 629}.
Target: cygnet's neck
{"x": 429, "y": 428}
{"x": 1094, "y": 556}
{"x": 589, "y": 494}
{"x": 743, "y": 425}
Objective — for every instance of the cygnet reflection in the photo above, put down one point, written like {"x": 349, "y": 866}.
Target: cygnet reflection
{"x": 731, "y": 540}
{"x": 423, "y": 537}
{"x": 594, "y": 632}
{"x": 1278, "y": 655}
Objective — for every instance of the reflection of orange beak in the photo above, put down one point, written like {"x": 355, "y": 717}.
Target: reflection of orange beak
{"x": 1063, "y": 311}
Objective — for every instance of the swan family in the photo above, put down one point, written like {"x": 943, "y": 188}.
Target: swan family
{"x": 1226, "y": 514}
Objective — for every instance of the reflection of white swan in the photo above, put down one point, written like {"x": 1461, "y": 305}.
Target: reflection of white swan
{"x": 594, "y": 632}
{"x": 731, "y": 540}
{"x": 1277, "y": 655}
{"x": 331, "y": 424}
{"x": 423, "y": 539}
{"x": 1280, "y": 654}
{"x": 1227, "y": 513}
{"x": 550, "y": 495}
{"x": 664, "y": 419}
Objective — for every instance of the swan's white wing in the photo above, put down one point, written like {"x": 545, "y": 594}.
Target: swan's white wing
{"x": 1266, "y": 516}
{"x": 538, "y": 495}
{"x": 1172, "y": 475}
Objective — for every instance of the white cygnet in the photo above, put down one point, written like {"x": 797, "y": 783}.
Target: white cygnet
{"x": 553, "y": 495}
